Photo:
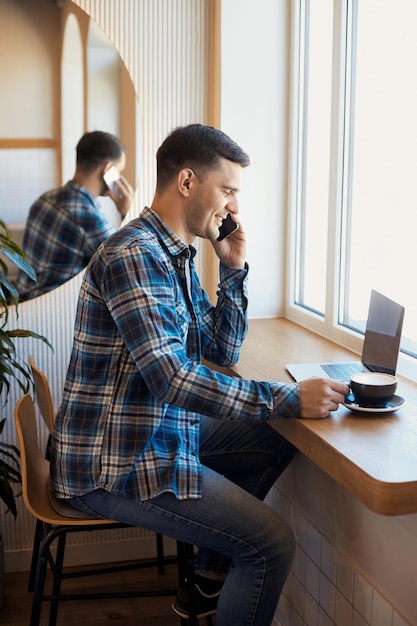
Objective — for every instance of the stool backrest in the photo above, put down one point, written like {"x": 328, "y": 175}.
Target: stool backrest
{"x": 35, "y": 471}
{"x": 43, "y": 395}
{"x": 34, "y": 466}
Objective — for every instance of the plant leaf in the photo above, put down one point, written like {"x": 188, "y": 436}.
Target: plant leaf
{"x": 28, "y": 333}
{"x": 18, "y": 258}
{"x": 7, "y": 495}
{"x": 11, "y": 368}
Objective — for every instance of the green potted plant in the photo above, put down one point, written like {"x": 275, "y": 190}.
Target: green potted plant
{"x": 11, "y": 368}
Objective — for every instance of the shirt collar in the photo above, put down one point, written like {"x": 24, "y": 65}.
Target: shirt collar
{"x": 171, "y": 242}
{"x": 79, "y": 188}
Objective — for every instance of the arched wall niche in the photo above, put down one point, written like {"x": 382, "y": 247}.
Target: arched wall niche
{"x": 72, "y": 93}
{"x": 170, "y": 52}
{"x": 97, "y": 93}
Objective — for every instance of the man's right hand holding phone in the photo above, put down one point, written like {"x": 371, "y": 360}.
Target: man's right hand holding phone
{"x": 231, "y": 249}
{"x": 119, "y": 190}
{"x": 122, "y": 195}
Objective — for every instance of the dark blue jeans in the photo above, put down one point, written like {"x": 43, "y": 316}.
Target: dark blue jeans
{"x": 235, "y": 531}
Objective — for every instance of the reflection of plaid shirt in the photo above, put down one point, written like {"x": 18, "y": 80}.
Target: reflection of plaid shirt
{"x": 63, "y": 230}
{"x": 129, "y": 420}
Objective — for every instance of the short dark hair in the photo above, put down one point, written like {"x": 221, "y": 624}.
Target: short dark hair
{"x": 198, "y": 147}
{"x": 97, "y": 147}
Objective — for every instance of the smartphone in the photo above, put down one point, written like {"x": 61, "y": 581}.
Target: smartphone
{"x": 227, "y": 228}
{"x": 110, "y": 177}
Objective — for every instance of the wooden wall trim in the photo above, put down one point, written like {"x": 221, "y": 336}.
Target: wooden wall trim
{"x": 22, "y": 144}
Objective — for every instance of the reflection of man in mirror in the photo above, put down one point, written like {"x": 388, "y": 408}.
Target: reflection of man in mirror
{"x": 65, "y": 226}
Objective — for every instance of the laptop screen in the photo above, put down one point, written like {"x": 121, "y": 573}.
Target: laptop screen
{"x": 383, "y": 334}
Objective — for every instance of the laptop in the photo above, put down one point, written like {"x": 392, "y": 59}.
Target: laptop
{"x": 380, "y": 347}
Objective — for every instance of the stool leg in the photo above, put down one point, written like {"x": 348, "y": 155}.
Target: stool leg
{"x": 160, "y": 553}
{"x": 57, "y": 577}
{"x": 35, "y": 553}
{"x": 190, "y": 582}
{"x": 186, "y": 577}
{"x": 39, "y": 582}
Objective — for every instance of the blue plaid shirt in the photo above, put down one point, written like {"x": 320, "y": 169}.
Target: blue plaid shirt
{"x": 136, "y": 385}
{"x": 63, "y": 230}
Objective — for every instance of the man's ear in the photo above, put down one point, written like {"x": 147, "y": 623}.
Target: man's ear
{"x": 104, "y": 167}
{"x": 185, "y": 181}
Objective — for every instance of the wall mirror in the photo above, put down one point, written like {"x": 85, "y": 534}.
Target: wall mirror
{"x": 61, "y": 76}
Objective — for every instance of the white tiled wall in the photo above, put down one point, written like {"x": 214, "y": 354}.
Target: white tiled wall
{"x": 324, "y": 588}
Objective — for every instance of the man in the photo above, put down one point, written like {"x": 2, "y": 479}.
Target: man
{"x": 65, "y": 225}
{"x": 147, "y": 434}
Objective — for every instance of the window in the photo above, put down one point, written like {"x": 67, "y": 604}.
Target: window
{"x": 353, "y": 179}
{"x": 313, "y": 156}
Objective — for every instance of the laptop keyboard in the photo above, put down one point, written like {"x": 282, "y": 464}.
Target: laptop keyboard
{"x": 342, "y": 371}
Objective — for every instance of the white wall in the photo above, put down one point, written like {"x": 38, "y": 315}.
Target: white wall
{"x": 254, "y": 93}
{"x": 29, "y": 78}
{"x": 27, "y": 58}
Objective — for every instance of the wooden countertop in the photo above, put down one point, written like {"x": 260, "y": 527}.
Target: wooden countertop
{"x": 374, "y": 456}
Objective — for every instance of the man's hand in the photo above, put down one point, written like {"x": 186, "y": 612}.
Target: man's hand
{"x": 232, "y": 250}
{"x": 123, "y": 197}
{"x": 320, "y": 396}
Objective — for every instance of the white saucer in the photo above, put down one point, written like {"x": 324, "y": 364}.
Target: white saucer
{"x": 396, "y": 403}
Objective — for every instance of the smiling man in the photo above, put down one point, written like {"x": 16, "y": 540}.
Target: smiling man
{"x": 149, "y": 435}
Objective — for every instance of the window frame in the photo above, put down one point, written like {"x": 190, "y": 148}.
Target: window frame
{"x": 329, "y": 325}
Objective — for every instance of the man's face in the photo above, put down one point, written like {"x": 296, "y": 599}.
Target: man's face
{"x": 213, "y": 196}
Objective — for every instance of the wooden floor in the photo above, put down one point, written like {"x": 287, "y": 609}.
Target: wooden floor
{"x": 126, "y": 612}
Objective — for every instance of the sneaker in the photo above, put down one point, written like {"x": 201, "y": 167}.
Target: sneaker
{"x": 205, "y": 605}
{"x": 208, "y": 587}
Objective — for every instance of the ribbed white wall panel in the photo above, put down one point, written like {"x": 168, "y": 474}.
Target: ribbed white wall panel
{"x": 165, "y": 45}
